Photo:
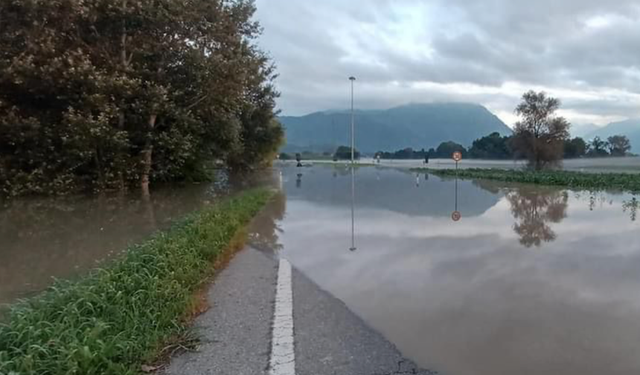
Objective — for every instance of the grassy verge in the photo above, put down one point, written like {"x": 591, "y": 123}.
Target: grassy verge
{"x": 577, "y": 180}
{"x": 117, "y": 319}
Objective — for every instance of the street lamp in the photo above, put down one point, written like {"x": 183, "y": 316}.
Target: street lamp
{"x": 353, "y": 131}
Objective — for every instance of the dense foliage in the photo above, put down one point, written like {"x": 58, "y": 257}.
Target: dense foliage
{"x": 619, "y": 145}
{"x": 493, "y": 146}
{"x": 116, "y": 319}
{"x": 579, "y": 180}
{"x": 444, "y": 150}
{"x": 114, "y": 93}
{"x": 344, "y": 153}
{"x": 575, "y": 148}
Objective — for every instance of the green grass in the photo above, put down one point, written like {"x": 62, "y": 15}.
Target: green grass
{"x": 119, "y": 318}
{"x": 577, "y": 180}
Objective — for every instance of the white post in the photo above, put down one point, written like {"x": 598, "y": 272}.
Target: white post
{"x": 353, "y": 130}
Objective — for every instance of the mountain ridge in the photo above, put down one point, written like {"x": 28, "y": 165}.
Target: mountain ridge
{"x": 630, "y": 128}
{"x": 416, "y": 125}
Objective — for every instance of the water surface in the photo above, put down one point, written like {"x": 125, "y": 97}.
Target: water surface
{"x": 46, "y": 238}
{"x": 530, "y": 280}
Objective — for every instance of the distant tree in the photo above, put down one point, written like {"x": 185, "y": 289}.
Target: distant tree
{"x": 493, "y": 146}
{"x": 344, "y": 153}
{"x": 285, "y": 156}
{"x": 619, "y": 145}
{"x": 540, "y": 135}
{"x": 446, "y": 149}
{"x": 575, "y": 148}
{"x": 598, "y": 148}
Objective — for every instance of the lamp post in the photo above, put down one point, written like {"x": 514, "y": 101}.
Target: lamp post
{"x": 353, "y": 131}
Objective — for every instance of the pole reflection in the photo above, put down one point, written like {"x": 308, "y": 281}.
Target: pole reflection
{"x": 353, "y": 204}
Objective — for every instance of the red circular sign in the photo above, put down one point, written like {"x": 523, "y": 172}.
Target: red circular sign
{"x": 456, "y": 216}
{"x": 457, "y": 156}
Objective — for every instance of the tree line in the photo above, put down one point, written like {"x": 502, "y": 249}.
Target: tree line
{"x": 540, "y": 137}
{"x": 113, "y": 94}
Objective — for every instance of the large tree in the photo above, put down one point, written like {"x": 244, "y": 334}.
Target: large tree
{"x": 540, "y": 134}
{"x": 493, "y": 146}
{"x": 598, "y": 148}
{"x": 619, "y": 145}
{"x": 574, "y": 148}
{"x": 115, "y": 93}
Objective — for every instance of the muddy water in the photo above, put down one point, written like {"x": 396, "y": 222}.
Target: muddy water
{"x": 43, "y": 239}
{"x": 530, "y": 280}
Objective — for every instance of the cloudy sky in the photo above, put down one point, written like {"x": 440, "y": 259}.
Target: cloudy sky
{"x": 586, "y": 52}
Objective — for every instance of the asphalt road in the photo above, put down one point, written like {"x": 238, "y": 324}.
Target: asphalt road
{"x": 236, "y": 331}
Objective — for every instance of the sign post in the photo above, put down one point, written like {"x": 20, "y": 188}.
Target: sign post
{"x": 457, "y": 156}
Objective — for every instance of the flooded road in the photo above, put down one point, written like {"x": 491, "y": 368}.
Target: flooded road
{"x": 530, "y": 279}
{"x": 43, "y": 239}
{"x": 464, "y": 277}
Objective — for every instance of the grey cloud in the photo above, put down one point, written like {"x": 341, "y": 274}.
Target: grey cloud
{"x": 318, "y": 44}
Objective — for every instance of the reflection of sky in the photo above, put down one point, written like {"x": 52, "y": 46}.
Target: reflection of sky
{"x": 389, "y": 189}
{"x": 467, "y": 297}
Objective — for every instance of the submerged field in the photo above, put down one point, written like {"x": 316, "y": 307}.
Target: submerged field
{"x": 576, "y": 180}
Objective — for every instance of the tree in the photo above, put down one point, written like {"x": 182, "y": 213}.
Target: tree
{"x": 575, "y": 148}
{"x": 619, "y": 145}
{"x": 446, "y": 149}
{"x": 598, "y": 148}
{"x": 493, "y": 146}
{"x": 344, "y": 153}
{"x": 539, "y": 135}
{"x": 116, "y": 93}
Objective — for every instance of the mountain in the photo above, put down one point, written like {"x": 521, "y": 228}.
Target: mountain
{"x": 582, "y": 130}
{"x": 414, "y": 125}
{"x": 630, "y": 128}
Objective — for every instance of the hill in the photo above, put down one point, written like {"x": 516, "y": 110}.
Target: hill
{"x": 630, "y": 128}
{"x": 583, "y": 130}
{"x": 415, "y": 125}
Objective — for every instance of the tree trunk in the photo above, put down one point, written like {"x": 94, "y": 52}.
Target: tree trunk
{"x": 147, "y": 154}
{"x": 123, "y": 66}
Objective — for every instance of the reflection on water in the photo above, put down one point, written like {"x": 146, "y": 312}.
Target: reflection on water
{"x": 631, "y": 207}
{"x": 534, "y": 209}
{"x": 45, "y": 238}
{"x": 468, "y": 297}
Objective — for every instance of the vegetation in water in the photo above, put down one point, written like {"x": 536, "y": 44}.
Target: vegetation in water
{"x": 578, "y": 180}
{"x": 119, "y": 318}
{"x": 107, "y": 94}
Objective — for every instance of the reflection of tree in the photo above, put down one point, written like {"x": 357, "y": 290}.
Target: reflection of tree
{"x": 631, "y": 206}
{"x": 264, "y": 228}
{"x": 534, "y": 208}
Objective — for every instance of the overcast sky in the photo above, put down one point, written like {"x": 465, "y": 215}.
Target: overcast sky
{"x": 585, "y": 52}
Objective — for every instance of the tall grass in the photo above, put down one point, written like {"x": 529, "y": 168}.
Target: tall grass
{"x": 116, "y": 319}
{"x": 579, "y": 180}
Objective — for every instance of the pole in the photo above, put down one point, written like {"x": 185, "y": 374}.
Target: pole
{"x": 456, "y": 205}
{"x": 353, "y": 126}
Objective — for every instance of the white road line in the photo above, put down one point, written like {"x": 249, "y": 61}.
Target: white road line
{"x": 282, "y": 348}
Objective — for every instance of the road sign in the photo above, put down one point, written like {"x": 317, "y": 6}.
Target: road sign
{"x": 456, "y": 216}
{"x": 457, "y": 156}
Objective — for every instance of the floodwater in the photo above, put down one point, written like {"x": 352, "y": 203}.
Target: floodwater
{"x": 43, "y": 239}
{"x": 590, "y": 165}
{"x": 530, "y": 280}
